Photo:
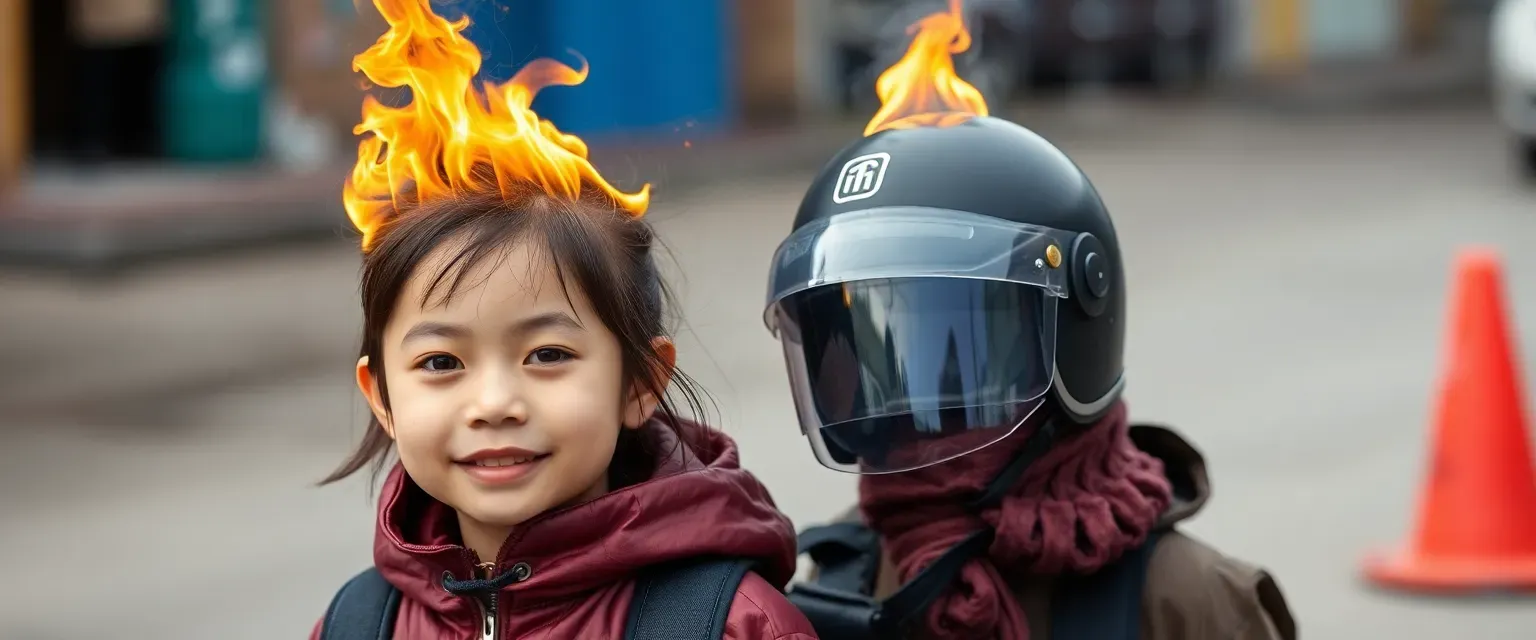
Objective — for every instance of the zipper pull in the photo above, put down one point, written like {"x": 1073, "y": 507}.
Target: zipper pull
{"x": 487, "y": 571}
{"x": 520, "y": 572}
{"x": 488, "y": 623}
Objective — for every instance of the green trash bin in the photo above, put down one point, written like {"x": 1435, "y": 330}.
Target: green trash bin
{"x": 216, "y": 81}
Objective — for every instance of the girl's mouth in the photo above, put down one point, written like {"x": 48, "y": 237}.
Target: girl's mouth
{"x": 503, "y": 470}
{"x": 505, "y": 461}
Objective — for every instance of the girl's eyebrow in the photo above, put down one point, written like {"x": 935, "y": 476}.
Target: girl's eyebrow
{"x": 434, "y": 329}
{"x": 547, "y": 320}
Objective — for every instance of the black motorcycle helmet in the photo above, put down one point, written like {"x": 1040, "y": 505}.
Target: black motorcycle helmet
{"x": 939, "y": 286}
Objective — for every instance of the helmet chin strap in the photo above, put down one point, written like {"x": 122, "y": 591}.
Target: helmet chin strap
{"x": 863, "y": 618}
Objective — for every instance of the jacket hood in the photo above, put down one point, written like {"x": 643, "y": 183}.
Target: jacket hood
{"x": 697, "y": 501}
{"x": 1182, "y": 464}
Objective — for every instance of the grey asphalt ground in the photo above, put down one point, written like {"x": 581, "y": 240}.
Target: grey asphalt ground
{"x": 160, "y": 432}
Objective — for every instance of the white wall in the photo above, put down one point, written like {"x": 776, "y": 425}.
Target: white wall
{"x": 1344, "y": 29}
{"x": 814, "y": 81}
{"x": 1334, "y": 30}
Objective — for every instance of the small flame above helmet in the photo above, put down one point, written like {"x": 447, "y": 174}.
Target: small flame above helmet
{"x": 922, "y": 89}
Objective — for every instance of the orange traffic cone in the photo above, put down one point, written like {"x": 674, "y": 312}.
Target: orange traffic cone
{"x": 1476, "y": 526}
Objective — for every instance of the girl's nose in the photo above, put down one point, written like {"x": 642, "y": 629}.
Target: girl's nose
{"x": 498, "y": 400}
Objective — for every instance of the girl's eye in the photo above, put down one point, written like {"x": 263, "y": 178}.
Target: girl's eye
{"x": 441, "y": 363}
{"x": 547, "y": 355}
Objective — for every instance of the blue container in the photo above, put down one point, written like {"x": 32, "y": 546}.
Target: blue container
{"x": 688, "y": 76}
{"x": 507, "y": 32}
{"x": 655, "y": 67}
{"x": 510, "y": 33}
{"x": 594, "y": 29}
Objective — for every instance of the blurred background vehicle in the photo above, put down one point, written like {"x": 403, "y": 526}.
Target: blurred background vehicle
{"x": 1033, "y": 45}
{"x": 1513, "y": 54}
{"x": 1160, "y": 44}
{"x": 869, "y": 35}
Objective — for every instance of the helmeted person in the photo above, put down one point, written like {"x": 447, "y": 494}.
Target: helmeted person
{"x": 952, "y": 309}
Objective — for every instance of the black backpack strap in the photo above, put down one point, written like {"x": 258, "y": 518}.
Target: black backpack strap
{"x": 839, "y": 600}
{"x": 846, "y": 611}
{"x": 364, "y": 609}
{"x": 1105, "y": 605}
{"x": 847, "y": 555}
{"x": 686, "y": 600}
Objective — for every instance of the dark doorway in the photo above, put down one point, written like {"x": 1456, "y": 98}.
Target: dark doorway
{"x": 91, "y": 102}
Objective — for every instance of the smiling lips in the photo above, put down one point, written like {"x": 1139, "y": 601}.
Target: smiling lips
{"x": 504, "y": 462}
{"x": 501, "y": 466}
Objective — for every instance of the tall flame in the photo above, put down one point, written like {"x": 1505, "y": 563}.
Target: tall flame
{"x": 452, "y": 137}
{"x": 922, "y": 88}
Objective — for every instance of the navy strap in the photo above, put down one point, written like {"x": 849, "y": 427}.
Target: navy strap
{"x": 364, "y": 609}
{"x": 685, "y": 601}
{"x": 1105, "y": 605}
{"x": 839, "y": 603}
{"x": 847, "y": 556}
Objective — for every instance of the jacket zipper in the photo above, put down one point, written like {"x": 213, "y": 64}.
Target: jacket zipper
{"x": 488, "y": 606}
{"x": 488, "y": 626}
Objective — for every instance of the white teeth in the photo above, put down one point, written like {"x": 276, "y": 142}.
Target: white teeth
{"x": 503, "y": 462}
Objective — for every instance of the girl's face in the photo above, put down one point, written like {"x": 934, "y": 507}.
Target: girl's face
{"x": 505, "y": 400}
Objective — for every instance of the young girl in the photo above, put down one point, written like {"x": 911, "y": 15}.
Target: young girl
{"x": 514, "y": 356}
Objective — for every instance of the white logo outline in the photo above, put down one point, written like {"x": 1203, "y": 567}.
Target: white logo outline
{"x": 861, "y": 177}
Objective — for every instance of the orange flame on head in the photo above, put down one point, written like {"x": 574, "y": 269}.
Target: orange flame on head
{"x": 445, "y": 139}
{"x": 922, "y": 88}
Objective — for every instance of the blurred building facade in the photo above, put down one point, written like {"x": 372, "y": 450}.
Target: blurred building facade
{"x": 1287, "y": 33}
{"x": 241, "y": 80}
{"x": 263, "y": 90}
{"x": 136, "y": 121}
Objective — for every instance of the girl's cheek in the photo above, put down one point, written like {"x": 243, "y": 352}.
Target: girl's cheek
{"x": 420, "y": 431}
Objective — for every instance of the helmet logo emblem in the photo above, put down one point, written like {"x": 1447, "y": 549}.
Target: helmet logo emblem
{"x": 861, "y": 177}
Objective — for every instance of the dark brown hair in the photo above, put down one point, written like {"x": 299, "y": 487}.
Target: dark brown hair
{"x": 606, "y": 252}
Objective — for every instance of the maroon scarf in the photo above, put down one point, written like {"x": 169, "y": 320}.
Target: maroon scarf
{"x": 1088, "y": 500}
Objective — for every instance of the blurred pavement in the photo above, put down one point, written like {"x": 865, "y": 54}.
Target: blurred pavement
{"x": 1288, "y": 277}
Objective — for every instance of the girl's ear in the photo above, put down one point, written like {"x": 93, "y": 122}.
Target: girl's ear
{"x": 369, "y": 385}
{"x": 642, "y": 398}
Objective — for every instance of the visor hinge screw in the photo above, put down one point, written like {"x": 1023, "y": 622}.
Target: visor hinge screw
{"x": 1053, "y": 256}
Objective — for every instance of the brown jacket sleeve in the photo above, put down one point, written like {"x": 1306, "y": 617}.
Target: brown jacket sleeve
{"x": 1194, "y": 592}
